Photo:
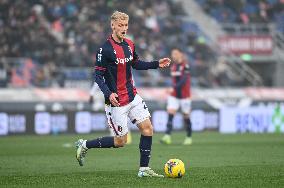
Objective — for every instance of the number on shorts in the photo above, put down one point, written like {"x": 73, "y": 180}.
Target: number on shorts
{"x": 145, "y": 106}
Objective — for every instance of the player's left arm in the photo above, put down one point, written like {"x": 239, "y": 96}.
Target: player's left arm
{"x": 144, "y": 65}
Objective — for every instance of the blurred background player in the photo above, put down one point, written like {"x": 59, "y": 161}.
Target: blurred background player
{"x": 179, "y": 96}
{"x": 114, "y": 61}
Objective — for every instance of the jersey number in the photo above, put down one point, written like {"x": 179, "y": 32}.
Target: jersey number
{"x": 100, "y": 55}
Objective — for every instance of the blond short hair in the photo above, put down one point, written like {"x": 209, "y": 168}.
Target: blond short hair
{"x": 119, "y": 16}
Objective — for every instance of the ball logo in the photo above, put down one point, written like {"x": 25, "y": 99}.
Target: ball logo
{"x": 171, "y": 164}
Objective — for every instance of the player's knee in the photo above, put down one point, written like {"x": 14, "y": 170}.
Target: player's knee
{"x": 120, "y": 141}
{"x": 147, "y": 130}
{"x": 171, "y": 111}
{"x": 185, "y": 116}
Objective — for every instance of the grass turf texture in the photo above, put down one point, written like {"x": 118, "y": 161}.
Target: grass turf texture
{"x": 214, "y": 160}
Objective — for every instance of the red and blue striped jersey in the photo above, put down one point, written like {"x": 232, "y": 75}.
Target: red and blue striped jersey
{"x": 180, "y": 80}
{"x": 113, "y": 69}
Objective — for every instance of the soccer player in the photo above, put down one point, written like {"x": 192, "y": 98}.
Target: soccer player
{"x": 114, "y": 61}
{"x": 180, "y": 96}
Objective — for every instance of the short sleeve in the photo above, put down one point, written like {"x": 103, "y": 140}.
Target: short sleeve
{"x": 186, "y": 68}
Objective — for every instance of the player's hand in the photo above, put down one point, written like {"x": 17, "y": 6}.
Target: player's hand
{"x": 165, "y": 62}
{"x": 170, "y": 91}
{"x": 113, "y": 98}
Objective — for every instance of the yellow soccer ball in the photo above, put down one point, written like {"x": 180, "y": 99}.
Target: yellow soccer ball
{"x": 174, "y": 168}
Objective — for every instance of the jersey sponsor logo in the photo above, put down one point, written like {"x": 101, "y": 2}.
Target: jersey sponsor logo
{"x": 124, "y": 60}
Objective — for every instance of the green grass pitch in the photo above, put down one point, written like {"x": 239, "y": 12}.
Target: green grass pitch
{"x": 214, "y": 160}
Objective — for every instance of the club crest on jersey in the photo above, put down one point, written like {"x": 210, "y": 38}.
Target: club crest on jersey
{"x": 124, "y": 60}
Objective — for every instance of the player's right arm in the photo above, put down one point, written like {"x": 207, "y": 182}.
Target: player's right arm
{"x": 100, "y": 70}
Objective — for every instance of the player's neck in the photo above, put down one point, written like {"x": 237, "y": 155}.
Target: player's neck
{"x": 180, "y": 61}
{"x": 116, "y": 39}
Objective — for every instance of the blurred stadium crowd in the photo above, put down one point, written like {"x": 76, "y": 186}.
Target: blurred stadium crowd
{"x": 40, "y": 39}
{"x": 246, "y": 11}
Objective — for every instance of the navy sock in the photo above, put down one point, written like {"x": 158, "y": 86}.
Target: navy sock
{"x": 101, "y": 142}
{"x": 170, "y": 124}
{"x": 145, "y": 150}
{"x": 187, "y": 124}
